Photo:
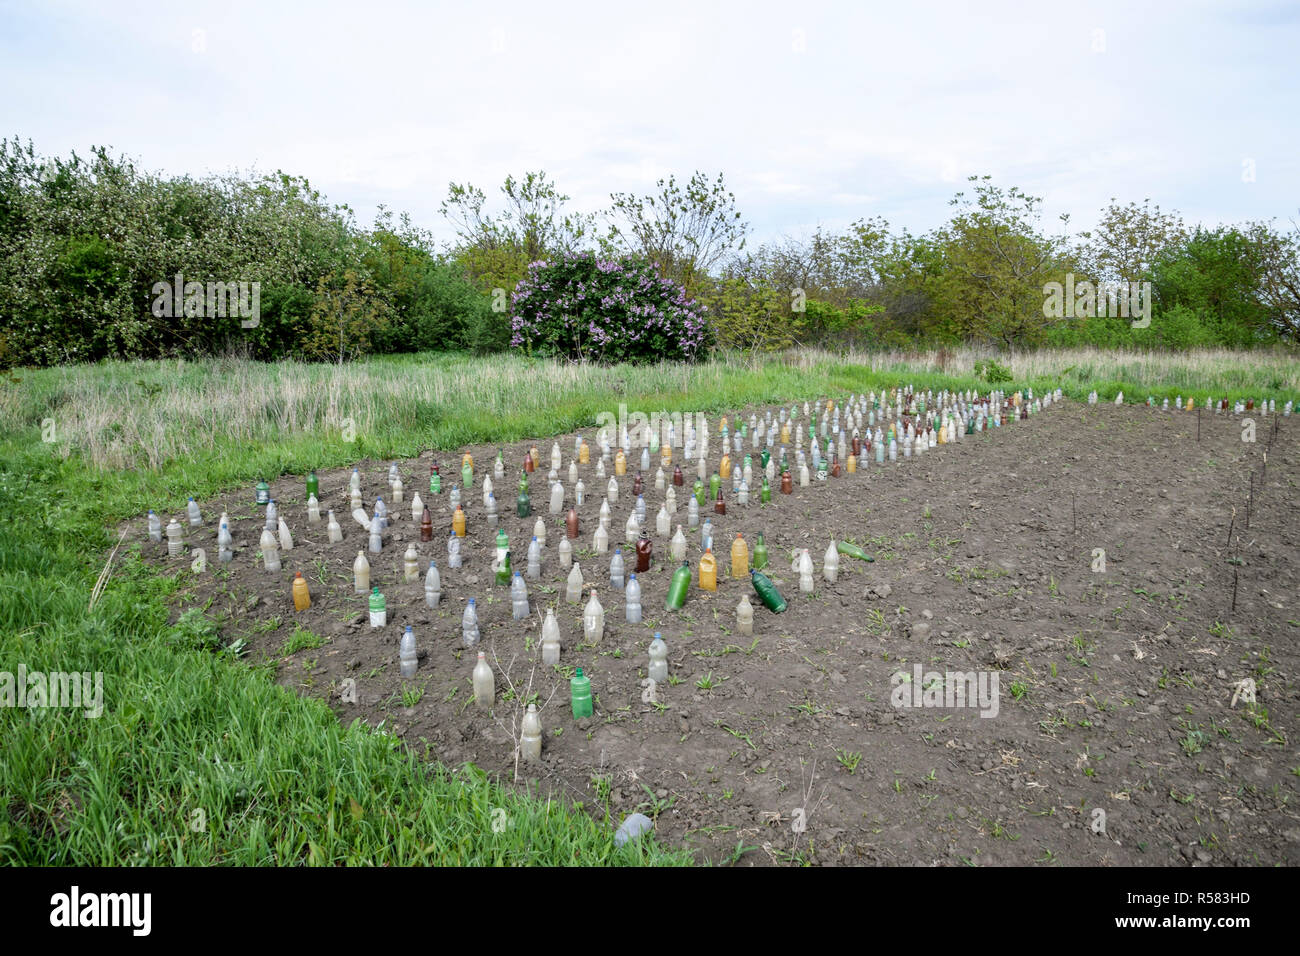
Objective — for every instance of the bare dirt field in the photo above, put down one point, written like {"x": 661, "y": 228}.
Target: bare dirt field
{"x": 1115, "y": 687}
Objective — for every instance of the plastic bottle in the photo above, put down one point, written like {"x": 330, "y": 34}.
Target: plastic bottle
{"x": 593, "y": 620}
{"x": 745, "y": 616}
{"x": 378, "y": 609}
{"x": 677, "y": 548}
{"x": 803, "y": 565}
{"x": 658, "y": 671}
{"x": 397, "y": 490}
{"x": 632, "y": 530}
{"x": 767, "y": 592}
{"x": 467, "y": 471}
{"x": 432, "y": 585}
{"x": 708, "y": 572}
{"x": 831, "y": 564}
{"x": 534, "y": 559}
{"x": 670, "y": 500}
{"x": 530, "y": 736}
{"x": 617, "y": 570}
{"x": 435, "y": 480}
{"x": 739, "y": 557}
{"x": 313, "y": 510}
{"x": 719, "y": 504}
{"x": 760, "y": 553}
{"x": 663, "y": 522}
{"x": 632, "y": 599}
{"x": 678, "y": 587}
{"x": 566, "y": 554}
{"x": 174, "y": 544}
{"x": 523, "y": 504}
{"x": 454, "y": 559}
{"x": 573, "y": 585}
{"x": 411, "y": 564}
{"x": 571, "y": 524}
{"x": 409, "y": 663}
{"x": 426, "y": 525}
{"x": 270, "y": 551}
{"x": 550, "y": 639}
{"x": 579, "y": 493}
{"x": 644, "y": 552}
{"x": 458, "y": 522}
{"x": 301, "y": 596}
{"x": 742, "y": 493}
{"x": 469, "y": 624}
{"x": 692, "y": 513}
{"x": 272, "y": 516}
{"x": 660, "y": 480}
{"x": 580, "y": 695}
{"x": 381, "y": 514}
{"x": 263, "y": 493}
{"x": 706, "y": 535}
{"x": 519, "y": 598}
{"x": 155, "y": 527}
{"x": 485, "y": 685}
{"x": 195, "y": 517}
{"x": 557, "y": 498}
{"x": 600, "y": 540}
{"x": 376, "y": 539}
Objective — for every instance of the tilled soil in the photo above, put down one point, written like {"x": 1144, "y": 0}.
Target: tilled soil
{"x": 1115, "y": 687}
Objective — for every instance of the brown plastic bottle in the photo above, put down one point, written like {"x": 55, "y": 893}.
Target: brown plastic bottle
{"x": 644, "y": 547}
{"x": 787, "y": 484}
{"x": 529, "y": 466}
{"x": 426, "y": 525}
{"x": 719, "y": 504}
{"x": 835, "y": 465}
{"x": 638, "y": 485}
{"x": 571, "y": 524}
{"x": 678, "y": 480}
{"x": 857, "y": 447}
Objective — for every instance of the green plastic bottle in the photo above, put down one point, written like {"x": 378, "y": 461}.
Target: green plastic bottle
{"x": 766, "y": 494}
{"x": 524, "y": 505}
{"x": 313, "y": 485}
{"x": 435, "y": 481}
{"x": 378, "y": 609}
{"x": 523, "y": 482}
{"x": 580, "y": 691}
{"x": 714, "y": 484}
{"x": 678, "y": 587}
{"x": 503, "y": 545}
{"x": 467, "y": 475}
{"x": 698, "y": 491}
{"x": 760, "y": 554}
{"x": 765, "y": 457}
{"x": 263, "y": 492}
{"x": 767, "y": 592}
{"x": 853, "y": 551}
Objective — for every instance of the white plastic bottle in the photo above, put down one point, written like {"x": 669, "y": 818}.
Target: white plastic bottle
{"x": 616, "y": 570}
{"x": 658, "y": 660}
{"x": 534, "y": 559}
{"x": 485, "y": 688}
{"x": 519, "y": 597}
{"x": 432, "y": 585}
{"x": 174, "y": 543}
{"x": 406, "y": 653}
{"x": 286, "y": 539}
{"x": 550, "y": 639}
{"x": 196, "y": 519}
{"x": 155, "y": 527}
{"x": 593, "y": 620}
{"x": 600, "y": 540}
{"x": 453, "y": 552}
{"x": 270, "y": 551}
{"x": 361, "y": 574}
{"x": 417, "y": 508}
{"x": 530, "y": 735}
{"x": 335, "y": 532}
{"x": 313, "y": 510}
{"x": 831, "y": 564}
{"x": 573, "y": 587}
{"x": 411, "y": 564}
{"x": 469, "y": 625}
{"x": 745, "y": 616}
{"x": 632, "y": 598}
{"x": 566, "y": 554}
{"x": 557, "y": 498}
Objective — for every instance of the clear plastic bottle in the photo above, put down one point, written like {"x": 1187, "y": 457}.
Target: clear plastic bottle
{"x": 663, "y": 522}
{"x": 677, "y": 547}
{"x": 617, "y": 570}
{"x": 600, "y": 540}
{"x": 155, "y": 527}
{"x": 286, "y": 539}
{"x": 376, "y": 538}
{"x": 272, "y": 514}
{"x": 804, "y": 566}
{"x": 660, "y": 480}
{"x": 192, "y": 509}
{"x": 411, "y": 564}
{"x": 491, "y": 511}
{"x": 534, "y": 559}
{"x": 745, "y": 616}
{"x": 378, "y": 609}
{"x": 831, "y": 564}
{"x": 706, "y": 535}
{"x": 611, "y": 490}
{"x": 550, "y": 639}
{"x": 270, "y": 551}
{"x": 224, "y": 541}
{"x": 174, "y": 543}
{"x": 573, "y": 586}
{"x": 361, "y": 574}
{"x": 417, "y": 508}
{"x": 566, "y": 554}
{"x": 469, "y": 625}
{"x": 579, "y": 493}
{"x": 632, "y": 597}
{"x": 692, "y": 513}
{"x": 658, "y": 671}
{"x": 557, "y": 498}
{"x": 409, "y": 663}
{"x": 454, "y": 559}
{"x": 519, "y": 598}
{"x": 381, "y": 514}
{"x": 485, "y": 685}
{"x": 432, "y": 585}
{"x": 593, "y": 620}
{"x": 530, "y": 736}
{"x": 632, "y": 530}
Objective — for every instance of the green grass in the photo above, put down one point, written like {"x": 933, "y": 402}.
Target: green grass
{"x": 199, "y": 757}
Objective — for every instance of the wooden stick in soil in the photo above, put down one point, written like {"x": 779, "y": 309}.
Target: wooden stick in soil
{"x": 1234, "y": 590}
{"x": 1198, "y": 424}
{"x": 1250, "y": 498}
{"x": 1230, "y": 526}
{"x": 1074, "y": 517}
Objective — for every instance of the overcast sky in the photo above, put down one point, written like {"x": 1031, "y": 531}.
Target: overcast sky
{"x": 816, "y": 113}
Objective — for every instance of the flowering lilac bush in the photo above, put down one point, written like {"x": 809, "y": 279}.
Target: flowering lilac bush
{"x": 606, "y": 310}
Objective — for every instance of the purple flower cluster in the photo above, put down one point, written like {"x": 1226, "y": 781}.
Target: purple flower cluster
{"x": 581, "y": 306}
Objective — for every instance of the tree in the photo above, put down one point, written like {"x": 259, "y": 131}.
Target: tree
{"x": 685, "y": 230}
{"x": 345, "y": 317}
{"x": 1128, "y": 240}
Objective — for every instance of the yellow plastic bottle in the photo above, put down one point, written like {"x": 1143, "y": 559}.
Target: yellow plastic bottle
{"x": 301, "y": 596}
{"x": 785, "y": 433}
{"x": 584, "y": 453}
{"x": 667, "y": 455}
{"x": 458, "y": 522}
{"x": 852, "y": 464}
{"x": 620, "y": 463}
{"x": 739, "y": 557}
{"x": 708, "y": 571}
{"x": 724, "y": 468}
